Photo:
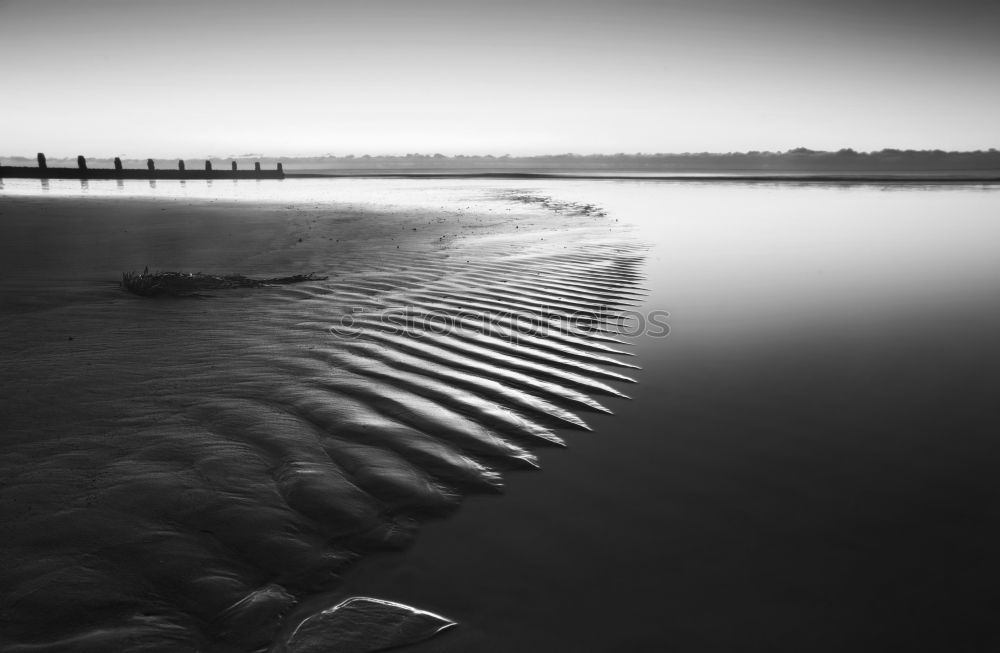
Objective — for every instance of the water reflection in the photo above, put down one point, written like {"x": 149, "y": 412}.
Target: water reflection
{"x": 416, "y": 191}
{"x": 84, "y": 185}
{"x": 751, "y": 261}
{"x": 826, "y": 386}
{"x": 152, "y": 184}
{"x": 120, "y": 183}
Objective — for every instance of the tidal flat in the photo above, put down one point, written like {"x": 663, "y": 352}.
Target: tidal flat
{"x": 804, "y": 461}
{"x": 181, "y": 471}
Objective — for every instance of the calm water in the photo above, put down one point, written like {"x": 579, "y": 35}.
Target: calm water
{"x": 806, "y": 463}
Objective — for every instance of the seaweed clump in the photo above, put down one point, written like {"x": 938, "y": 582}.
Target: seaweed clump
{"x": 152, "y": 284}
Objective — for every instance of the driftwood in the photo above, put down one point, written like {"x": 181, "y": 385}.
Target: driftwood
{"x": 151, "y": 284}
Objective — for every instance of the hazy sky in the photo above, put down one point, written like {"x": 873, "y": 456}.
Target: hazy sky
{"x": 196, "y": 77}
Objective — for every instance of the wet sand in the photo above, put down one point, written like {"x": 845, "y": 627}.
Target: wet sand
{"x": 179, "y": 473}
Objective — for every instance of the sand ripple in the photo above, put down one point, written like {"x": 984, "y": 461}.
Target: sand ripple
{"x": 181, "y": 481}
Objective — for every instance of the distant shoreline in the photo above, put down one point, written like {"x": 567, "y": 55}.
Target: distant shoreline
{"x": 901, "y": 177}
{"x": 702, "y": 177}
{"x": 799, "y": 161}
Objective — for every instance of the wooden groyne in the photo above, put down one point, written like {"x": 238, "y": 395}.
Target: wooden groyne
{"x": 81, "y": 171}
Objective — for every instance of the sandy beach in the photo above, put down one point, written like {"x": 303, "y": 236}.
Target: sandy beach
{"x": 180, "y": 472}
{"x": 804, "y": 463}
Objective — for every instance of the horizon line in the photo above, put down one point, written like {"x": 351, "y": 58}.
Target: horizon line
{"x": 439, "y": 155}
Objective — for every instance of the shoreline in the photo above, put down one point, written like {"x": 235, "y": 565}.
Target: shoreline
{"x": 707, "y": 178}
{"x": 928, "y": 177}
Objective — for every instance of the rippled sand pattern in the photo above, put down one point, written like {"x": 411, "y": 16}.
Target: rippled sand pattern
{"x": 183, "y": 477}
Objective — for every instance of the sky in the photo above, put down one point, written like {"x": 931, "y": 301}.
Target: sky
{"x": 139, "y": 78}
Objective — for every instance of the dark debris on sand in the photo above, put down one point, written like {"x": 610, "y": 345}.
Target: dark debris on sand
{"x": 152, "y": 284}
{"x": 568, "y": 208}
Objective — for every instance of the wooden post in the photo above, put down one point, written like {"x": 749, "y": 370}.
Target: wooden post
{"x": 281, "y": 169}
{"x": 81, "y": 162}
{"x": 41, "y": 161}
{"x": 118, "y": 163}
{"x": 208, "y": 166}
{"x": 234, "y": 166}
{"x": 150, "y": 165}
{"x": 180, "y": 165}
{"x": 256, "y": 166}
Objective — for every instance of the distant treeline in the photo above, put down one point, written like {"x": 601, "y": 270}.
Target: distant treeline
{"x": 797, "y": 160}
